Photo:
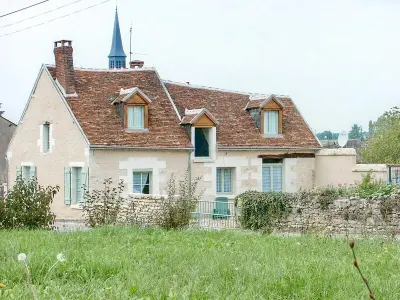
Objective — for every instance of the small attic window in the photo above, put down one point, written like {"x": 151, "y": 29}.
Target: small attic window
{"x": 271, "y": 122}
{"x": 133, "y": 107}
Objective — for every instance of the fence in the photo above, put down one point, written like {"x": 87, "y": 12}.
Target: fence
{"x": 219, "y": 214}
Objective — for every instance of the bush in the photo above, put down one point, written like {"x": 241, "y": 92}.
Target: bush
{"x": 103, "y": 207}
{"x": 370, "y": 187}
{"x": 27, "y": 205}
{"x": 326, "y": 195}
{"x": 263, "y": 210}
{"x": 176, "y": 210}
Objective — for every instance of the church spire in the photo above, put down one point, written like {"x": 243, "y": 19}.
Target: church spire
{"x": 117, "y": 57}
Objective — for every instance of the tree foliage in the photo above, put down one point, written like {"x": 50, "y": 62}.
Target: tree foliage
{"x": 384, "y": 145}
{"x": 356, "y": 132}
{"x": 327, "y": 135}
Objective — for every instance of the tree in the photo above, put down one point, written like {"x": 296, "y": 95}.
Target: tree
{"x": 384, "y": 145}
{"x": 356, "y": 132}
{"x": 326, "y": 135}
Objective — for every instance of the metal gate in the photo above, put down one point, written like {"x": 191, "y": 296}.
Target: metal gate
{"x": 218, "y": 214}
{"x": 393, "y": 173}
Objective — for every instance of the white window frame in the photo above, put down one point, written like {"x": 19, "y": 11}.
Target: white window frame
{"x": 271, "y": 166}
{"x": 142, "y": 127}
{"x": 266, "y": 124}
{"x": 150, "y": 172}
{"x": 232, "y": 169}
{"x": 212, "y": 142}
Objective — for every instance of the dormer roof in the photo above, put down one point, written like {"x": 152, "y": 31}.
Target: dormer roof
{"x": 255, "y": 102}
{"x": 125, "y": 95}
{"x": 193, "y": 115}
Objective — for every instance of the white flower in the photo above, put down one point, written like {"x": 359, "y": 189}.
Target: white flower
{"x": 22, "y": 257}
{"x": 61, "y": 257}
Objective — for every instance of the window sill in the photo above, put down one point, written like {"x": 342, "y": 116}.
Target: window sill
{"x": 229, "y": 196}
{"x": 202, "y": 160}
{"x": 76, "y": 206}
{"x": 137, "y": 130}
{"x": 141, "y": 196}
{"x": 273, "y": 136}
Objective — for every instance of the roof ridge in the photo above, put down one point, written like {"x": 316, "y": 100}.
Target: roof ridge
{"x": 221, "y": 90}
{"x": 8, "y": 120}
{"x": 108, "y": 70}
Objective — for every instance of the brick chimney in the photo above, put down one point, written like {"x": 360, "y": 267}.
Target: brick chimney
{"x": 136, "y": 64}
{"x": 65, "y": 74}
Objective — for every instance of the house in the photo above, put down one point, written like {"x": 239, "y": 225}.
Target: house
{"x": 81, "y": 126}
{"x": 6, "y": 131}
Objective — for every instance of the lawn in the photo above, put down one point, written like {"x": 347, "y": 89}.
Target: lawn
{"x": 126, "y": 263}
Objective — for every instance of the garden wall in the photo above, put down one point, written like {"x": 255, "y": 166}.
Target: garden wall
{"x": 377, "y": 216}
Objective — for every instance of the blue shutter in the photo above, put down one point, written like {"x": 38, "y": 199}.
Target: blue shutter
{"x": 19, "y": 171}
{"x": 266, "y": 179}
{"x": 67, "y": 186}
{"x": 131, "y": 124}
{"x": 277, "y": 178}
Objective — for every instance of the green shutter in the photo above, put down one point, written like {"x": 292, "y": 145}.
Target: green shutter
{"x": 67, "y": 186}
{"x": 19, "y": 171}
{"x": 32, "y": 175}
{"x": 85, "y": 182}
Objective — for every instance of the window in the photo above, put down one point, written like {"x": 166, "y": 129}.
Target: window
{"x": 271, "y": 118}
{"x": 118, "y": 64}
{"x": 112, "y": 64}
{"x": 224, "y": 180}
{"x": 135, "y": 117}
{"x": 75, "y": 181}
{"x": 46, "y": 137}
{"x": 142, "y": 182}
{"x": 272, "y": 175}
{"x": 201, "y": 142}
{"x": 27, "y": 173}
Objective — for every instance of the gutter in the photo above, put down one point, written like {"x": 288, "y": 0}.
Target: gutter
{"x": 105, "y": 147}
{"x": 257, "y": 148}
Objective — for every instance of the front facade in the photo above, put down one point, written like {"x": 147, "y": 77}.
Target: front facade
{"x": 82, "y": 126}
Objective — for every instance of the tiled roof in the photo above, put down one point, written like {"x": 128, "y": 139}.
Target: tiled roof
{"x": 101, "y": 122}
{"x": 191, "y": 116}
{"x": 237, "y": 128}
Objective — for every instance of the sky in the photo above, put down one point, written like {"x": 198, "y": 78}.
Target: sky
{"x": 338, "y": 60}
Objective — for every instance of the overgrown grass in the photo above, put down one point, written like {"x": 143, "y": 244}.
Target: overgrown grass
{"x": 126, "y": 263}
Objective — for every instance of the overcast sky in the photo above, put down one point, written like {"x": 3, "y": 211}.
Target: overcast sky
{"x": 339, "y": 60}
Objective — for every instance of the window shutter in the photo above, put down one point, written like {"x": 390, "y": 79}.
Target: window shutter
{"x": 32, "y": 173}
{"x": 19, "y": 171}
{"x": 277, "y": 179}
{"x": 67, "y": 186}
{"x": 266, "y": 179}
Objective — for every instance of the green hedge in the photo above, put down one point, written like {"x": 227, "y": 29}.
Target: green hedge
{"x": 262, "y": 210}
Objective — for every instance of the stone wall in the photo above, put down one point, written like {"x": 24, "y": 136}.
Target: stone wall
{"x": 145, "y": 209}
{"x": 353, "y": 216}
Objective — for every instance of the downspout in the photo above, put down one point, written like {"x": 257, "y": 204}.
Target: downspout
{"x": 190, "y": 171}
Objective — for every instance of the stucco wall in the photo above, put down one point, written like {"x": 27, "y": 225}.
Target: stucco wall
{"x": 6, "y": 131}
{"x": 67, "y": 143}
{"x": 338, "y": 166}
{"x": 119, "y": 165}
{"x": 297, "y": 172}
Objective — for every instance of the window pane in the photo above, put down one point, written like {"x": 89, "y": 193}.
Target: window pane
{"x": 138, "y": 117}
{"x": 46, "y": 137}
{"x": 131, "y": 117}
{"x": 219, "y": 180}
{"x": 227, "y": 181}
{"x": 277, "y": 178}
{"x": 271, "y": 122}
{"x": 266, "y": 179}
{"x": 201, "y": 143}
{"x": 141, "y": 182}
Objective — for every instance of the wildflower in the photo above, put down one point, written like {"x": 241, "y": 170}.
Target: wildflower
{"x": 351, "y": 244}
{"x": 61, "y": 257}
{"x": 22, "y": 257}
{"x": 2, "y": 285}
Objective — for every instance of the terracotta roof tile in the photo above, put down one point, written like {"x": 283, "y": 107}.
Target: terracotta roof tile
{"x": 237, "y": 128}
{"x": 101, "y": 122}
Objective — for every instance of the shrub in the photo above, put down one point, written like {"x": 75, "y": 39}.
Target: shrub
{"x": 370, "y": 187}
{"x": 103, "y": 207}
{"x": 326, "y": 195}
{"x": 27, "y": 205}
{"x": 263, "y": 210}
{"x": 176, "y": 210}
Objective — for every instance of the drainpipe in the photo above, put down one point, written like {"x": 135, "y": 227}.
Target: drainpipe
{"x": 190, "y": 171}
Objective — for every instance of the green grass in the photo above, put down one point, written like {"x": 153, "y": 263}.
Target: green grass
{"x": 125, "y": 263}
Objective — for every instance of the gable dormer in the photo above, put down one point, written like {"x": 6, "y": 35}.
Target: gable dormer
{"x": 268, "y": 114}
{"x": 201, "y": 125}
{"x": 133, "y": 107}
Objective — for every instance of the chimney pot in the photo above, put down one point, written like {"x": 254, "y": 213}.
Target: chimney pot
{"x": 65, "y": 73}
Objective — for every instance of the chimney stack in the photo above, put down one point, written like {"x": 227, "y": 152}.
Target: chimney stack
{"x": 136, "y": 64}
{"x": 65, "y": 74}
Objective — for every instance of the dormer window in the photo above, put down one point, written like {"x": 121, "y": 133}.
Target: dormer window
{"x": 201, "y": 126}
{"x": 133, "y": 106}
{"x": 268, "y": 114}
